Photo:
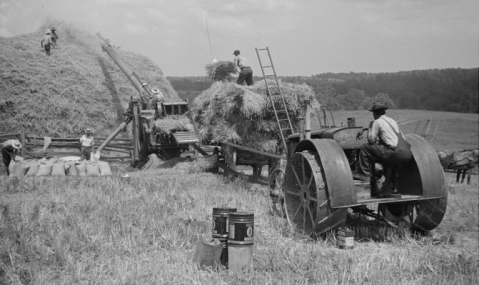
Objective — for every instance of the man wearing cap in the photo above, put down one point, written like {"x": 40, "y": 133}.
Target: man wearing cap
{"x": 245, "y": 71}
{"x": 48, "y": 41}
{"x": 9, "y": 151}
{"x": 54, "y": 37}
{"x": 386, "y": 144}
{"x": 86, "y": 142}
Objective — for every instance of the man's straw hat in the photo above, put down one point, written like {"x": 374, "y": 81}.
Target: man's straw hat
{"x": 17, "y": 145}
{"x": 48, "y": 31}
{"x": 88, "y": 131}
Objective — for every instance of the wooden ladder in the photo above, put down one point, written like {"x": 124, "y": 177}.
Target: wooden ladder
{"x": 281, "y": 112}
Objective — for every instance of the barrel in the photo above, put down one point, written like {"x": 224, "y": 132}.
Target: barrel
{"x": 241, "y": 228}
{"x": 221, "y": 221}
{"x": 240, "y": 243}
{"x": 351, "y": 122}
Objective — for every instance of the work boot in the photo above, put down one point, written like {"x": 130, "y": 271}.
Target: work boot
{"x": 361, "y": 177}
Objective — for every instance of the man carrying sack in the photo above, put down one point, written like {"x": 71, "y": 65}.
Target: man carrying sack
{"x": 10, "y": 150}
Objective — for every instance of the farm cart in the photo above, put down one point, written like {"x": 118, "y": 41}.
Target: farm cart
{"x": 142, "y": 112}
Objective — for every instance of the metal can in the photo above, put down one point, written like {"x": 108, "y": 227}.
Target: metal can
{"x": 351, "y": 122}
{"x": 221, "y": 221}
{"x": 241, "y": 228}
{"x": 345, "y": 238}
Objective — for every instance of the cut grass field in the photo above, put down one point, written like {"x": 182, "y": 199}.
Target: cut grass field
{"x": 103, "y": 231}
{"x": 456, "y": 131}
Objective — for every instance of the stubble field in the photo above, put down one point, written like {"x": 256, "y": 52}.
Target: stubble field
{"x": 101, "y": 230}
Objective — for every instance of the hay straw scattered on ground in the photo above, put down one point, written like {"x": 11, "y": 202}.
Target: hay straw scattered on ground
{"x": 172, "y": 123}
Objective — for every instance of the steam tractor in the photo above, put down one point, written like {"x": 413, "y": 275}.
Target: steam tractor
{"x": 143, "y": 112}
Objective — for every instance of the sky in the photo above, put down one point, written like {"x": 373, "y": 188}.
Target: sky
{"x": 305, "y": 37}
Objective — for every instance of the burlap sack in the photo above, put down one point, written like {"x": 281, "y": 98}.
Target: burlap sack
{"x": 92, "y": 169}
{"x": 58, "y": 169}
{"x": 44, "y": 170}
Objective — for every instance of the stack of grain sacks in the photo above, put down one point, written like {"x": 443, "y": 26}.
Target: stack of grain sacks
{"x": 59, "y": 167}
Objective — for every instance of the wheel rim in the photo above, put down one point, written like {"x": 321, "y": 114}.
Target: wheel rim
{"x": 301, "y": 198}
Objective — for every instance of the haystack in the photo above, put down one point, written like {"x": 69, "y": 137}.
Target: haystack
{"x": 228, "y": 112}
{"x": 77, "y": 87}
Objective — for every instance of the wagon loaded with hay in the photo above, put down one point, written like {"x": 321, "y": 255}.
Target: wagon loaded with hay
{"x": 159, "y": 124}
{"x": 241, "y": 120}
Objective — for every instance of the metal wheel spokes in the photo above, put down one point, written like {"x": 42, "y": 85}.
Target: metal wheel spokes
{"x": 302, "y": 197}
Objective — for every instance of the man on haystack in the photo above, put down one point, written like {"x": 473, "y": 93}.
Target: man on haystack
{"x": 87, "y": 143}
{"x": 245, "y": 71}
{"x": 54, "y": 37}
{"x": 10, "y": 150}
{"x": 386, "y": 145}
{"x": 47, "y": 41}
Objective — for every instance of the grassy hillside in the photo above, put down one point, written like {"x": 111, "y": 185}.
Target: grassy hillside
{"x": 78, "y": 86}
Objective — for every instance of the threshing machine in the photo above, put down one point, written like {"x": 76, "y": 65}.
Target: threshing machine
{"x": 143, "y": 112}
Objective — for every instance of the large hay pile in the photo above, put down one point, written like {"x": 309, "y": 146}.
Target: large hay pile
{"x": 228, "y": 112}
{"x": 221, "y": 70}
{"x": 78, "y": 86}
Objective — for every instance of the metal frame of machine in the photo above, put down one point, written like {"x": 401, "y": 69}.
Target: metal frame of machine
{"x": 142, "y": 115}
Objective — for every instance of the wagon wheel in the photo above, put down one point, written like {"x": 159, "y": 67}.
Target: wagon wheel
{"x": 421, "y": 216}
{"x": 275, "y": 182}
{"x": 306, "y": 195}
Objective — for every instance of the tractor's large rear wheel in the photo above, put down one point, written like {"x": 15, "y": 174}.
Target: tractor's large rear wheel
{"x": 306, "y": 195}
{"x": 420, "y": 216}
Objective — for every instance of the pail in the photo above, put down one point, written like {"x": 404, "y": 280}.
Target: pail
{"x": 351, "y": 122}
{"x": 207, "y": 253}
{"x": 221, "y": 221}
{"x": 240, "y": 260}
{"x": 241, "y": 228}
{"x": 345, "y": 238}
{"x": 126, "y": 178}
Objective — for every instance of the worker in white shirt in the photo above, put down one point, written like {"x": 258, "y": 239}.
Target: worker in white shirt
{"x": 9, "y": 151}
{"x": 245, "y": 71}
{"x": 87, "y": 143}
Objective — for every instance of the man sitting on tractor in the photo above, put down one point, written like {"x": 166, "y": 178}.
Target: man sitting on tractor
{"x": 386, "y": 145}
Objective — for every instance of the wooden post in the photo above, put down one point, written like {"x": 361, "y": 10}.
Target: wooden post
{"x": 22, "y": 141}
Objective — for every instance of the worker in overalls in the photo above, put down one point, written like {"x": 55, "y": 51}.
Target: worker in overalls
{"x": 47, "y": 41}
{"x": 245, "y": 71}
{"x": 87, "y": 143}
{"x": 10, "y": 150}
{"x": 386, "y": 145}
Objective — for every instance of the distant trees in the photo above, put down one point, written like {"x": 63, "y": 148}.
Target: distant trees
{"x": 453, "y": 89}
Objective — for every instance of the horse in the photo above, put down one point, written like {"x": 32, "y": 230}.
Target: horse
{"x": 461, "y": 161}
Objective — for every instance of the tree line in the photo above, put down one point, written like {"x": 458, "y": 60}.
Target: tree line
{"x": 453, "y": 89}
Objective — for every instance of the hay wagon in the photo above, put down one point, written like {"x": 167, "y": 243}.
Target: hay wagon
{"x": 317, "y": 187}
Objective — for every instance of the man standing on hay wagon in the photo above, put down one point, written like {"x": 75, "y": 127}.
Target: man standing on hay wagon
{"x": 245, "y": 71}
{"x": 10, "y": 150}
{"x": 86, "y": 142}
{"x": 386, "y": 145}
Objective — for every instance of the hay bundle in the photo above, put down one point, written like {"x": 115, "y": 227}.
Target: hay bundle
{"x": 220, "y": 70}
{"x": 228, "y": 112}
{"x": 173, "y": 123}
